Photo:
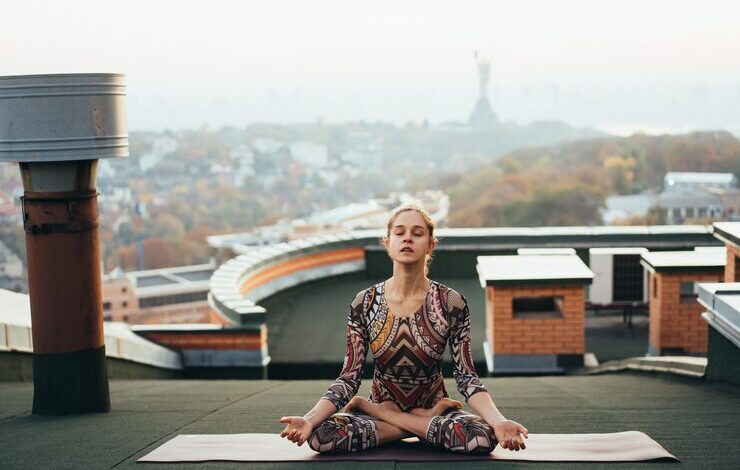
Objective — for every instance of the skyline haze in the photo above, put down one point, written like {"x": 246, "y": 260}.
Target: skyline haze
{"x": 656, "y": 65}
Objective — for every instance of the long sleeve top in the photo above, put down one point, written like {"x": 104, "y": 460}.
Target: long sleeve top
{"x": 408, "y": 350}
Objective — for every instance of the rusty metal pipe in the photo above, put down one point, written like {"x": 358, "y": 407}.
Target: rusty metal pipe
{"x": 64, "y": 275}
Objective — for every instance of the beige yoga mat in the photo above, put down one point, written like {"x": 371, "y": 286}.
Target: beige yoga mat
{"x": 628, "y": 446}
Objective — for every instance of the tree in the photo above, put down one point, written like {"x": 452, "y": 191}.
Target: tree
{"x": 620, "y": 173}
{"x": 168, "y": 227}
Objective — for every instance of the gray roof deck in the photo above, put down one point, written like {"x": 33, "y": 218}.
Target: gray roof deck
{"x": 696, "y": 421}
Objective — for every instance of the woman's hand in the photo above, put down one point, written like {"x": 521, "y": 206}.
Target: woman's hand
{"x": 510, "y": 434}
{"x": 297, "y": 429}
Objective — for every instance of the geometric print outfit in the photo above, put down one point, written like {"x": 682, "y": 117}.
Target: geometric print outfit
{"x": 407, "y": 353}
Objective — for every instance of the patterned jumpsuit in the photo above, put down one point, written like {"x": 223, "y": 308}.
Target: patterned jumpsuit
{"x": 407, "y": 352}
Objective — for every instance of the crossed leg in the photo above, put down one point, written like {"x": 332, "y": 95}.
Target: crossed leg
{"x": 454, "y": 430}
{"x": 368, "y": 425}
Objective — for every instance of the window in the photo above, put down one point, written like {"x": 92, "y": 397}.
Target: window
{"x": 107, "y": 317}
{"x": 537, "y": 307}
{"x": 173, "y": 299}
{"x": 688, "y": 292}
{"x": 124, "y": 304}
{"x": 106, "y": 305}
{"x": 124, "y": 289}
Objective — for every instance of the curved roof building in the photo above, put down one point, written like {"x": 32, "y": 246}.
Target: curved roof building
{"x": 300, "y": 290}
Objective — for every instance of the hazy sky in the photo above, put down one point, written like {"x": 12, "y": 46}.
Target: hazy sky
{"x": 651, "y": 63}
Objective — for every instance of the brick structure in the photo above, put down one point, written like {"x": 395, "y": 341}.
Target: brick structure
{"x": 214, "y": 350}
{"x": 157, "y": 296}
{"x": 676, "y": 326}
{"x": 534, "y": 312}
{"x": 729, "y": 233}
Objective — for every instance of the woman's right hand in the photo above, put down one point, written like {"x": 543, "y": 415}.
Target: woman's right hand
{"x": 297, "y": 429}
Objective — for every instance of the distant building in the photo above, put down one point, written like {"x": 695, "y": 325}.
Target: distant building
{"x": 112, "y": 196}
{"x": 373, "y": 213}
{"x": 167, "y": 295}
{"x": 11, "y": 271}
{"x": 242, "y": 165}
{"x": 680, "y": 181}
{"x": 685, "y": 196}
{"x": 624, "y": 207}
{"x": 11, "y": 266}
{"x": 688, "y": 205}
{"x": 143, "y": 358}
{"x": 161, "y": 147}
{"x": 310, "y": 154}
{"x": 267, "y": 145}
{"x": 9, "y": 215}
{"x": 366, "y": 151}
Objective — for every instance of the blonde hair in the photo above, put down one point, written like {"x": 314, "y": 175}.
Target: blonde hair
{"x": 427, "y": 221}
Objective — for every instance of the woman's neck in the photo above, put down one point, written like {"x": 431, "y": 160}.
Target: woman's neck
{"x": 407, "y": 281}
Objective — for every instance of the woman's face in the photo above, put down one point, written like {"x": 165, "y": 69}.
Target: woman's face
{"x": 409, "y": 240}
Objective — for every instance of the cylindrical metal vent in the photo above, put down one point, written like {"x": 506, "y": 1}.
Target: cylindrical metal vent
{"x": 62, "y": 117}
{"x": 57, "y": 127}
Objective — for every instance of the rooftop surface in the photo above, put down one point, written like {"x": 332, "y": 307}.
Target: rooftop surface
{"x": 698, "y": 422}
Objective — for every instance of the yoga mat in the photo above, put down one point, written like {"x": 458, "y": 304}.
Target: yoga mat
{"x": 627, "y": 446}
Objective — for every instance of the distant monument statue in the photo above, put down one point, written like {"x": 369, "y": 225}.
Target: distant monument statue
{"x": 482, "y": 116}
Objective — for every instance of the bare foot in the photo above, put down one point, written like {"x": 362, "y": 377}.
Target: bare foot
{"x": 356, "y": 403}
{"x": 440, "y": 407}
{"x": 376, "y": 410}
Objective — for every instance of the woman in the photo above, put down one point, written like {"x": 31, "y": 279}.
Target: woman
{"x": 406, "y": 321}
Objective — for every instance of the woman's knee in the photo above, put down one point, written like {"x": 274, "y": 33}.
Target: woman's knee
{"x": 463, "y": 434}
{"x": 323, "y": 439}
{"x": 484, "y": 441}
{"x": 343, "y": 432}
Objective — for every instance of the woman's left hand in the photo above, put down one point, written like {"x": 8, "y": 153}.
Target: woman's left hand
{"x": 510, "y": 434}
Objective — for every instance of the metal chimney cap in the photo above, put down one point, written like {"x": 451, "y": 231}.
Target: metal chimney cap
{"x": 62, "y": 117}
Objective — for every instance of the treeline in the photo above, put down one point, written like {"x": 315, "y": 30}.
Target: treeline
{"x": 567, "y": 184}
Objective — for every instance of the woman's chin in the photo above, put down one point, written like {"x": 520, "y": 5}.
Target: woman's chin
{"x": 409, "y": 261}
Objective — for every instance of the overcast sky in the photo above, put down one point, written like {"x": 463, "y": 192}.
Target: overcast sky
{"x": 654, "y": 64}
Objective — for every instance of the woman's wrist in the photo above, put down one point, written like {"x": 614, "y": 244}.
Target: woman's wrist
{"x": 309, "y": 417}
{"x": 496, "y": 420}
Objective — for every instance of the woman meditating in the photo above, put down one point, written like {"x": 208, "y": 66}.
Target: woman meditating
{"x": 406, "y": 321}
